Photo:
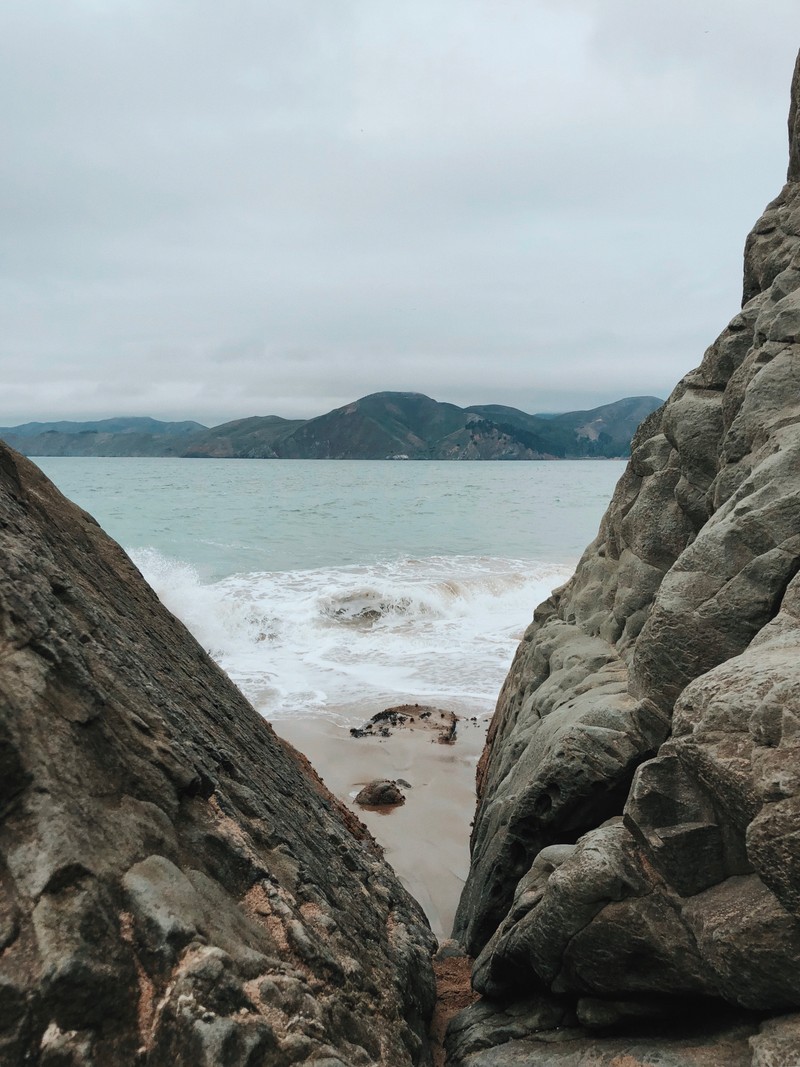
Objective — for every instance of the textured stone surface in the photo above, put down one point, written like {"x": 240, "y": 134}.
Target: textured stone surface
{"x": 548, "y": 1032}
{"x": 727, "y": 1047}
{"x": 636, "y": 839}
{"x": 176, "y": 885}
{"x": 380, "y": 793}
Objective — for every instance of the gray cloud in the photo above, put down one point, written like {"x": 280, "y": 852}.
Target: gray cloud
{"x": 218, "y": 210}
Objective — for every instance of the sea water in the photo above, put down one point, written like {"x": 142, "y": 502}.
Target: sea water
{"x": 340, "y": 588}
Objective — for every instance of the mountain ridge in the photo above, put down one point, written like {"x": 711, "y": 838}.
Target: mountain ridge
{"x": 383, "y": 425}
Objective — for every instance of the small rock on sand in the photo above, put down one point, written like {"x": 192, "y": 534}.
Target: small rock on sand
{"x": 380, "y": 793}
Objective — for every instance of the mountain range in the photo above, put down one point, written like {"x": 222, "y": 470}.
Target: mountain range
{"x": 389, "y": 425}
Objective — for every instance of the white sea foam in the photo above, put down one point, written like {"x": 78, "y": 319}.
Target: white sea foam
{"x": 327, "y": 640}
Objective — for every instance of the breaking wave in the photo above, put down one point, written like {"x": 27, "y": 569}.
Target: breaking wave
{"x": 340, "y": 640}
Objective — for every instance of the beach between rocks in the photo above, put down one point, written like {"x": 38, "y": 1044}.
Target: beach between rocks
{"x": 426, "y": 839}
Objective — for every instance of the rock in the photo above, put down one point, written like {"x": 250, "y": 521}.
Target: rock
{"x": 726, "y": 1043}
{"x": 483, "y": 1025}
{"x": 403, "y": 717}
{"x": 449, "y": 949}
{"x": 777, "y": 1042}
{"x": 380, "y": 793}
{"x": 176, "y": 885}
{"x": 636, "y": 840}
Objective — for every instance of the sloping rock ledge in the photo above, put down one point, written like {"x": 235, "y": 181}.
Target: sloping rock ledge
{"x": 177, "y": 887}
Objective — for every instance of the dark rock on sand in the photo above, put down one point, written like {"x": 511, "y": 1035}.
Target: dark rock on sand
{"x": 380, "y": 793}
{"x": 440, "y": 722}
{"x": 636, "y": 839}
{"x": 177, "y": 887}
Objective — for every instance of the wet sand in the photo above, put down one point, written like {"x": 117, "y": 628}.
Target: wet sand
{"x": 426, "y": 839}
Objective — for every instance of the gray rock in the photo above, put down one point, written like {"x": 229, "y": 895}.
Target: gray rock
{"x": 712, "y": 1049}
{"x": 177, "y": 887}
{"x": 777, "y": 1042}
{"x": 547, "y": 1031}
{"x": 449, "y": 949}
{"x": 650, "y": 724}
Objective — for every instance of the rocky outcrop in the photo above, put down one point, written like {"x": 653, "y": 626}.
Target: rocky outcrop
{"x": 636, "y": 840}
{"x": 177, "y": 887}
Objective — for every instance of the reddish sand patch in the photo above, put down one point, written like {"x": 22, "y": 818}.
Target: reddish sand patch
{"x": 453, "y": 992}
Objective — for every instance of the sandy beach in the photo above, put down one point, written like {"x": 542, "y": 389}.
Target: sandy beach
{"x": 427, "y": 838}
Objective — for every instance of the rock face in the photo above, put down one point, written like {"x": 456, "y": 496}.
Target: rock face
{"x": 637, "y": 839}
{"x": 176, "y": 885}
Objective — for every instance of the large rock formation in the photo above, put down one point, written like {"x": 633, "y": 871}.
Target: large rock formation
{"x": 177, "y": 888}
{"x": 637, "y": 840}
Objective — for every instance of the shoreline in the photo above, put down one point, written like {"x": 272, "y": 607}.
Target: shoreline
{"x": 426, "y": 839}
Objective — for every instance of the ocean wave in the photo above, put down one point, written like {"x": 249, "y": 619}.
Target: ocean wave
{"x": 218, "y": 621}
{"x": 369, "y": 606}
{"x": 441, "y": 628}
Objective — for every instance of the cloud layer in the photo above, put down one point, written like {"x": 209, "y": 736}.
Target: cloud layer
{"x": 259, "y": 207}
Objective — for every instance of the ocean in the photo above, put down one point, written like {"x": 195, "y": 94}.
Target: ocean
{"x": 337, "y": 589}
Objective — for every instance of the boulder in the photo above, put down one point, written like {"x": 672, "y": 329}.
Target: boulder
{"x": 177, "y": 886}
{"x": 380, "y": 793}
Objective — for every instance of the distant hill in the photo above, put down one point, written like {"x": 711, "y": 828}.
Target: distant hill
{"x": 612, "y": 422}
{"x": 387, "y": 425}
{"x": 603, "y": 432}
{"x": 250, "y": 438}
{"x": 375, "y": 427}
{"x": 135, "y": 424}
{"x": 140, "y": 436}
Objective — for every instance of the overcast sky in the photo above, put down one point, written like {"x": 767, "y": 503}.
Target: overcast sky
{"x": 212, "y": 210}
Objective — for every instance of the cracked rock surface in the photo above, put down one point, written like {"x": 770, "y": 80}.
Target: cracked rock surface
{"x": 177, "y": 887}
{"x": 636, "y": 838}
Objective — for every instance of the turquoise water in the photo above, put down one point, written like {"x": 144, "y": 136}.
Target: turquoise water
{"x": 339, "y": 587}
{"x": 228, "y": 516}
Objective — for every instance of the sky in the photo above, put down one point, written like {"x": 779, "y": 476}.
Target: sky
{"x": 213, "y": 210}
